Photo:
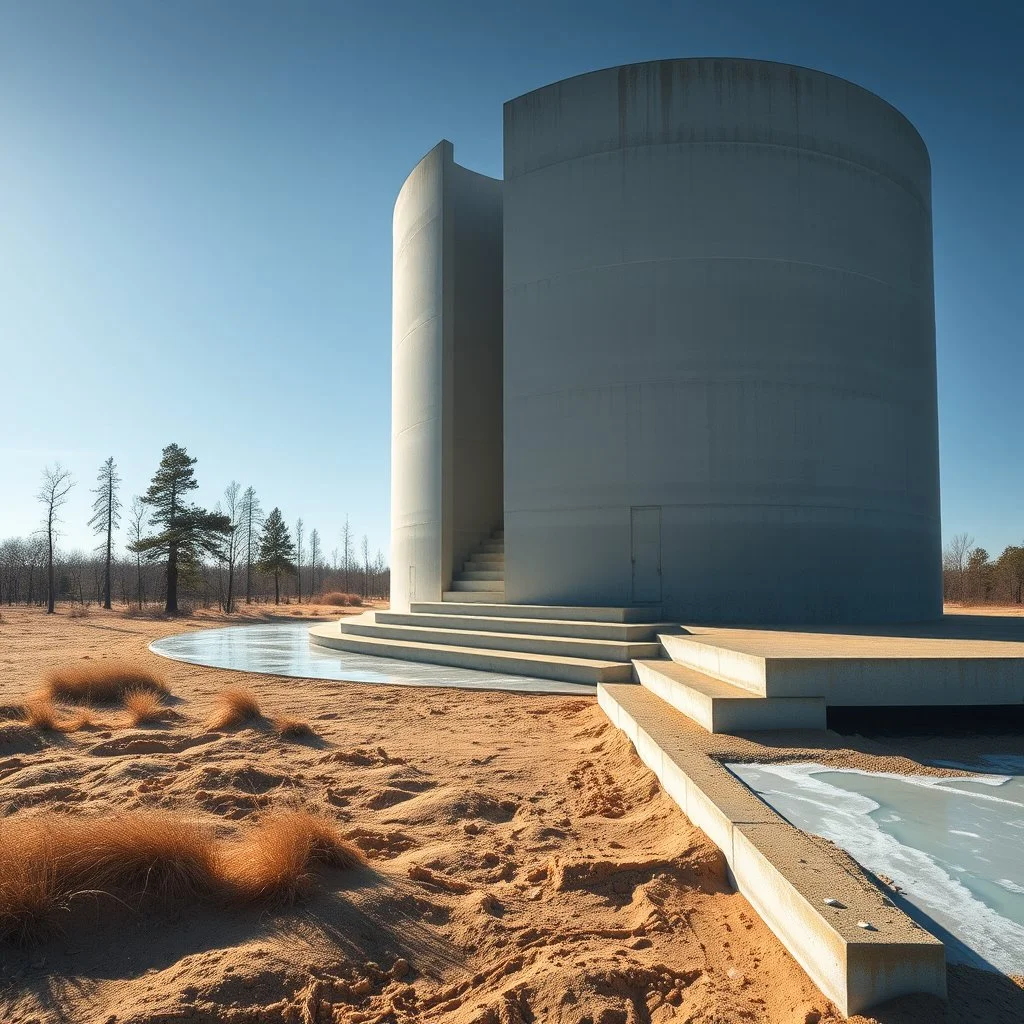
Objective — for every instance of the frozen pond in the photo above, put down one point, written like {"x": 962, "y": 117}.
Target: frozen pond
{"x": 283, "y": 649}
{"x": 954, "y": 846}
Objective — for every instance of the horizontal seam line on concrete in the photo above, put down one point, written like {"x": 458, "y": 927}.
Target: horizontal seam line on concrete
{"x": 725, "y": 505}
{"x": 720, "y": 379}
{"x": 717, "y": 259}
{"x": 919, "y": 200}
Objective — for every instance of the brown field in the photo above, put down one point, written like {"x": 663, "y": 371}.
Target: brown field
{"x": 520, "y": 863}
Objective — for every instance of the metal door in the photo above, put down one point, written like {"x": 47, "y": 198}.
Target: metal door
{"x": 645, "y": 543}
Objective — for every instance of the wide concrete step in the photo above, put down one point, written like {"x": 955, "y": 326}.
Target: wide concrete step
{"x": 484, "y": 562}
{"x": 746, "y": 671}
{"x": 469, "y": 597}
{"x": 541, "y": 666}
{"x": 576, "y": 613}
{"x": 491, "y": 586}
{"x": 572, "y": 647}
{"x": 492, "y": 547}
{"x": 482, "y": 574}
{"x": 719, "y": 706}
{"x": 811, "y": 895}
{"x": 623, "y": 632}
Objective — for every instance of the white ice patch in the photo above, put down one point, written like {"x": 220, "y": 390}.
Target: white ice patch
{"x": 844, "y": 817}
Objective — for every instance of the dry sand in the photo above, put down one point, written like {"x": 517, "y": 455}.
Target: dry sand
{"x": 523, "y": 864}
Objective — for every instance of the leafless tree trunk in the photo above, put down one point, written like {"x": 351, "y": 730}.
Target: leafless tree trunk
{"x": 314, "y": 557}
{"x": 135, "y": 533}
{"x": 234, "y": 508}
{"x": 346, "y": 555}
{"x": 298, "y": 559}
{"x": 53, "y": 493}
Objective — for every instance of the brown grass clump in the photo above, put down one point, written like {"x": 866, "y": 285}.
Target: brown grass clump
{"x": 102, "y": 683}
{"x": 275, "y": 860}
{"x": 238, "y": 706}
{"x": 293, "y": 728}
{"x": 339, "y": 599}
{"x": 144, "y": 707}
{"x": 135, "y": 858}
{"x": 147, "y": 859}
{"x": 41, "y": 714}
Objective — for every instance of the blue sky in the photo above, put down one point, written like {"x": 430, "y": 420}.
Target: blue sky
{"x": 195, "y": 220}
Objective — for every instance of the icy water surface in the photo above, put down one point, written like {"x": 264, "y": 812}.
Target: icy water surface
{"x": 955, "y": 846}
{"x": 284, "y": 649}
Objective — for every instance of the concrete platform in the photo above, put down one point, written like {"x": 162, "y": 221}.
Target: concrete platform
{"x": 785, "y": 874}
{"x": 721, "y": 707}
{"x": 948, "y": 663}
{"x": 543, "y": 666}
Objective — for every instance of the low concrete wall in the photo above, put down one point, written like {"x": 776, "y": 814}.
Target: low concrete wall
{"x": 785, "y": 874}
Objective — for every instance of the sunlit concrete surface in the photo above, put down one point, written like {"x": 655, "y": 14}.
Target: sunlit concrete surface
{"x": 952, "y": 845}
{"x": 284, "y": 649}
{"x": 719, "y": 330}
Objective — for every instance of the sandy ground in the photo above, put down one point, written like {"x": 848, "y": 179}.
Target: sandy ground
{"x": 523, "y": 865}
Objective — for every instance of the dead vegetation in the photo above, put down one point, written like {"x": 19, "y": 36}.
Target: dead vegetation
{"x": 238, "y": 705}
{"x": 146, "y": 860}
{"x": 145, "y": 707}
{"x": 340, "y": 600}
{"x": 102, "y": 683}
{"x": 293, "y": 728}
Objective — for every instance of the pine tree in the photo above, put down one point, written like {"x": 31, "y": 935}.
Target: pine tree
{"x": 106, "y": 514}
{"x": 185, "y": 532}
{"x": 276, "y": 550}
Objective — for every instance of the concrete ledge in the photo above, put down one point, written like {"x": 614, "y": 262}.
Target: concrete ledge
{"x": 537, "y": 611}
{"x": 740, "y": 668}
{"x": 541, "y": 666}
{"x": 722, "y": 707}
{"x": 784, "y": 873}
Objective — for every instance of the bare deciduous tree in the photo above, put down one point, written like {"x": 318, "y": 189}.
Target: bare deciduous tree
{"x": 53, "y": 493}
{"x": 234, "y": 508}
{"x": 315, "y": 554}
{"x": 298, "y": 559}
{"x": 252, "y": 523}
{"x": 136, "y": 518}
{"x": 106, "y": 514}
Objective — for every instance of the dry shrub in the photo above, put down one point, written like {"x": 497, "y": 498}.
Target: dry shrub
{"x": 144, "y": 707}
{"x": 147, "y": 859}
{"x": 238, "y": 705}
{"x": 276, "y": 858}
{"x": 339, "y": 599}
{"x": 78, "y": 611}
{"x": 46, "y": 862}
{"x": 102, "y": 682}
{"x": 41, "y": 714}
{"x": 293, "y": 728}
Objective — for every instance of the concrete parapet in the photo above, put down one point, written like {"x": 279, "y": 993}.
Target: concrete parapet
{"x": 785, "y": 874}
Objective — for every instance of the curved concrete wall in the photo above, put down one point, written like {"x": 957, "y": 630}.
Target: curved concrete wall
{"x": 719, "y": 379}
{"x": 446, "y": 417}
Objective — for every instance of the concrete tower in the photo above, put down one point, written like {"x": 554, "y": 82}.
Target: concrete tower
{"x": 720, "y": 391}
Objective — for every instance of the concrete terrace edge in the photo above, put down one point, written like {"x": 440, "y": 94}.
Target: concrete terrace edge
{"x": 783, "y": 873}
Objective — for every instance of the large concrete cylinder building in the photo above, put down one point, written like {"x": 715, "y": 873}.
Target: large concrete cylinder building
{"x": 719, "y": 393}
{"x": 720, "y": 390}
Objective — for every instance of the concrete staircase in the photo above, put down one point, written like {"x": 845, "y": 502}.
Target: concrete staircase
{"x": 722, "y": 690}
{"x": 570, "y": 644}
{"x": 483, "y": 574}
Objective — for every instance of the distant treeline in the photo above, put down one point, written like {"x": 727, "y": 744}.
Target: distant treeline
{"x": 179, "y": 554}
{"x": 971, "y": 576}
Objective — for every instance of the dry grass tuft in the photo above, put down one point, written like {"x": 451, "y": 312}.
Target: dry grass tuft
{"x": 275, "y": 860}
{"x": 41, "y": 714}
{"x": 339, "y": 599}
{"x": 78, "y": 611}
{"x": 146, "y": 859}
{"x": 144, "y": 707}
{"x": 238, "y": 705}
{"x": 293, "y": 728}
{"x": 136, "y": 858}
{"x": 102, "y": 683}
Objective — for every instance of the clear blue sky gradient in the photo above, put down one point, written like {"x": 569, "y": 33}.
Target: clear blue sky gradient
{"x": 195, "y": 220}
